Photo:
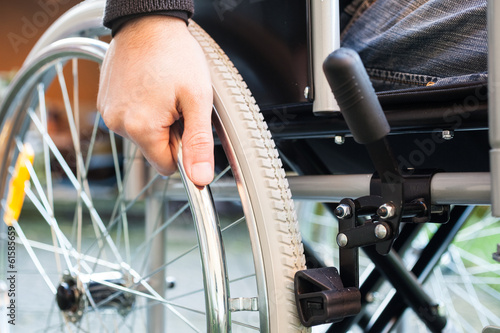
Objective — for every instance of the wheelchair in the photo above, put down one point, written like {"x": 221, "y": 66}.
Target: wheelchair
{"x": 119, "y": 247}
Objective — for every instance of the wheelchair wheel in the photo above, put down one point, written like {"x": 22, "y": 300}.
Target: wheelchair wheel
{"x": 103, "y": 242}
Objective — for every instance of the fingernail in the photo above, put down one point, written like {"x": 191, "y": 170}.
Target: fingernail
{"x": 202, "y": 173}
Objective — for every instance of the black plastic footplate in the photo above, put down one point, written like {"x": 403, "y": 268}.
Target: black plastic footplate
{"x": 321, "y": 297}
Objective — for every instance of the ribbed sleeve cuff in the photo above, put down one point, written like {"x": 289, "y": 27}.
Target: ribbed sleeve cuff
{"x": 117, "y": 24}
{"x": 120, "y": 8}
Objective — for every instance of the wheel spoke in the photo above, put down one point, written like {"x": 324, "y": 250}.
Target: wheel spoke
{"x": 86, "y": 200}
{"x": 47, "y": 164}
{"x": 34, "y": 258}
{"x": 469, "y": 288}
{"x": 75, "y": 135}
{"x": 95, "y": 308}
{"x": 46, "y": 211}
{"x": 81, "y": 329}
{"x": 79, "y": 172}
{"x": 201, "y": 289}
{"x": 128, "y": 290}
{"x": 65, "y": 244}
{"x": 169, "y": 305}
{"x": 176, "y": 215}
{"x": 444, "y": 292}
{"x": 147, "y": 242}
{"x": 92, "y": 140}
{"x": 239, "y": 323}
{"x": 129, "y": 205}
{"x": 477, "y": 229}
{"x": 74, "y": 254}
{"x": 233, "y": 224}
{"x": 120, "y": 190}
{"x": 482, "y": 312}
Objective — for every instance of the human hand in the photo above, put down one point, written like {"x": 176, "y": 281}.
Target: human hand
{"x": 153, "y": 74}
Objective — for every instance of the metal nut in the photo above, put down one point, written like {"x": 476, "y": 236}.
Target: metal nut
{"x": 386, "y": 211}
{"x": 343, "y": 211}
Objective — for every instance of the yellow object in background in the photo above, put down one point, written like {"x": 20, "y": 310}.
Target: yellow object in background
{"x": 15, "y": 199}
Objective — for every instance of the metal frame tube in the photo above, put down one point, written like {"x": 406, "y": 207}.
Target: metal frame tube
{"x": 494, "y": 101}
{"x": 472, "y": 188}
{"x": 446, "y": 188}
{"x": 408, "y": 286}
{"x": 325, "y": 39}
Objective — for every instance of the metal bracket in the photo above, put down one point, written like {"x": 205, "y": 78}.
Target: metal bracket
{"x": 244, "y": 304}
{"x": 381, "y": 232}
{"x": 417, "y": 197}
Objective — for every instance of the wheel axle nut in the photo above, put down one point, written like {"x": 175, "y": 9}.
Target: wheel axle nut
{"x": 343, "y": 211}
{"x": 342, "y": 240}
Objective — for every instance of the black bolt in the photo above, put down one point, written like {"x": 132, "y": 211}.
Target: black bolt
{"x": 339, "y": 211}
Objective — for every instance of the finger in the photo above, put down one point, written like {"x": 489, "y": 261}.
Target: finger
{"x": 153, "y": 141}
{"x": 197, "y": 139}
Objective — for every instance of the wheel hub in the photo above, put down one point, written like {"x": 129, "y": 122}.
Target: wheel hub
{"x": 73, "y": 299}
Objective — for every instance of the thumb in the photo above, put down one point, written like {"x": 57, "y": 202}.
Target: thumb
{"x": 198, "y": 145}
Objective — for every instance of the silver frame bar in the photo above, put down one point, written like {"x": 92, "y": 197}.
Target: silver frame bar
{"x": 446, "y": 188}
{"x": 494, "y": 101}
{"x": 325, "y": 39}
{"x": 472, "y": 188}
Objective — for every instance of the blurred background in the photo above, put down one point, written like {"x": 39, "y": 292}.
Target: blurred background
{"x": 21, "y": 25}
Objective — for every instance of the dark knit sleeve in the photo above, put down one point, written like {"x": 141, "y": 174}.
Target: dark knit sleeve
{"x": 117, "y": 9}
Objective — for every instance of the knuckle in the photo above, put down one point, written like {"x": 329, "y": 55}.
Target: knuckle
{"x": 110, "y": 119}
{"x": 198, "y": 92}
{"x": 200, "y": 142}
{"x": 134, "y": 127}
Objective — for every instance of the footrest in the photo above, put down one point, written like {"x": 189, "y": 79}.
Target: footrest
{"x": 321, "y": 297}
